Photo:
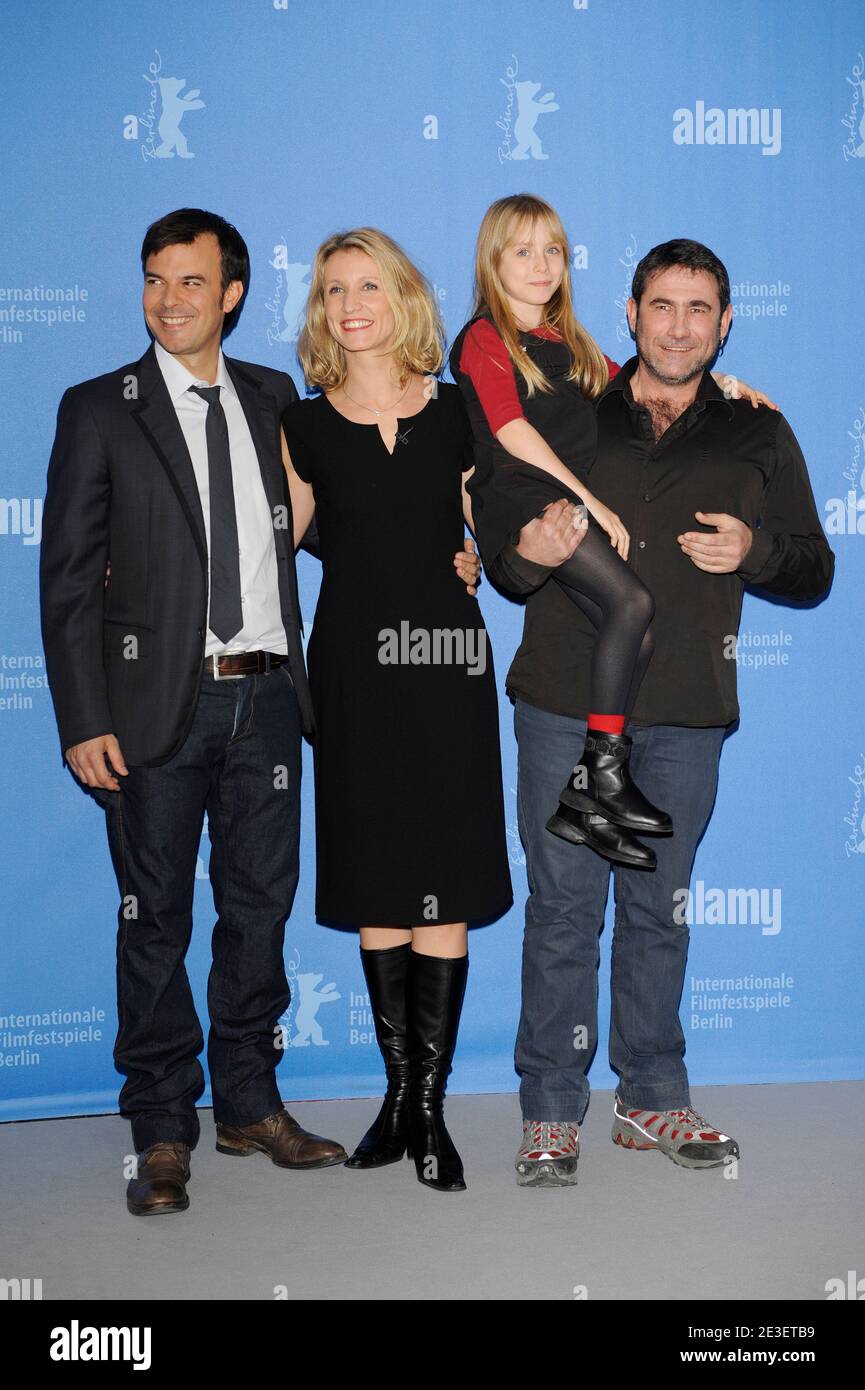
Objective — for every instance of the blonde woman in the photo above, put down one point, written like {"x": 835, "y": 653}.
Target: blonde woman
{"x": 409, "y": 814}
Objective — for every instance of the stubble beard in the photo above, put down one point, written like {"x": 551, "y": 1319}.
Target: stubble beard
{"x": 681, "y": 379}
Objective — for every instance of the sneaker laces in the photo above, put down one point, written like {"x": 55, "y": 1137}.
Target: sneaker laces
{"x": 548, "y": 1134}
{"x": 692, "y": 1116}
{"x": 694, "y": 1120}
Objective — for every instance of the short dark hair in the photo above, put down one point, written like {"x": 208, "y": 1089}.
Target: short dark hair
{"x": 693, "y": 255}
{"x": 182, "y": 227}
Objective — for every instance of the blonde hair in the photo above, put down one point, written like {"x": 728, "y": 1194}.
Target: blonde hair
{"x": 501, "y": 221}
{"x": 419, "y": 335}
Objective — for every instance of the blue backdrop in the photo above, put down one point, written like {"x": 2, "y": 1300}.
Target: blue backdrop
{"x": 738, "y": 124}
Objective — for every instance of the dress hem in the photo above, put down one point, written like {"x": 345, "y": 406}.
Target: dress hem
{"x": 332, "y": 919}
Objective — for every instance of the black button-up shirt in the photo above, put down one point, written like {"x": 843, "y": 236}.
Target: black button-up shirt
{"x": 719, "y": 456}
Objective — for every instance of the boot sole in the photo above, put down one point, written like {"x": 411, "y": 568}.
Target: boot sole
{"x": 379, "y": 1163}
{"x": 435, "y": 1187}
{"x": 557, "y": 826}
{"x": 565, "y": 830}
{"x": 581, "y": 801}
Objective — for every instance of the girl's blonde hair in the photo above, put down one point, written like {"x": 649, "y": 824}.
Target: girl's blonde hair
{"x": 501, "y": 221}
{"x": 419, "y": 336}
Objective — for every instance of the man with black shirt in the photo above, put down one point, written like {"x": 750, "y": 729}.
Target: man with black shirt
{"x": 715, "y": 494}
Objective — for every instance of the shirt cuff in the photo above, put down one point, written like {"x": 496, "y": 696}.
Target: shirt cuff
{"x": 503, "y": 415}
{"x": 758, "y": 556}
{"x": 518, "y": 573}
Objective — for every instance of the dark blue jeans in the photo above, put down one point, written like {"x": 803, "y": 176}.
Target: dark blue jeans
{"x": 241, "y": 764}
{"x": 677, "y": 769}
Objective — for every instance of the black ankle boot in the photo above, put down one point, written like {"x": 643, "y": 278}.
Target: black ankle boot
{"x": 435, "y": 999}
{"x": 601, "y": 785}
{"x": 387, "y": 981}
{"x": 612, "y": 842}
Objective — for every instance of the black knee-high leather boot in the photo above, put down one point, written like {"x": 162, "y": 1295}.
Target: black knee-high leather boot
{"x": 386, "y": 975}
{"x": 435, "y": 999}
{"x": 602, "y": 786}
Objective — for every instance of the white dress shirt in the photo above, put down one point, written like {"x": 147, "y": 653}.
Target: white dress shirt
{"x": 263, "y": 628}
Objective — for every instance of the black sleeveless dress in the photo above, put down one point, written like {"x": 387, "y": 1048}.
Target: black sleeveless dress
{"x": 507, "y": 493}
{"x": 410, "y": 824}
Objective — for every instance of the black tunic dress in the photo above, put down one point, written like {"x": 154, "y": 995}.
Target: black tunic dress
{"x": 409, "y": 808}
{"x": 506, "y": 492}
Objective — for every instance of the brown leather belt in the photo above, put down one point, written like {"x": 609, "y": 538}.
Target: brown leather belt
{"x": 242, "y": 664}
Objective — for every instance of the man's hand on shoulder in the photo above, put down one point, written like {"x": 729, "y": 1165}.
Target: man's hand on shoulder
{"x": 723, "y": 552}
{"x": 88, "y": 762}
{"x": 552, "y": 538}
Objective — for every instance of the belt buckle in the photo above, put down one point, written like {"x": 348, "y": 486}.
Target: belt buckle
{"x": 227, "y": 676}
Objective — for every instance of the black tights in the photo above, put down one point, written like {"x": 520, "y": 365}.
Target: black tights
{"x": 617, "y": 602}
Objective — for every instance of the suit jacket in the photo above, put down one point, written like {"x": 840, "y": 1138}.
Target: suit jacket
{"x": 121, "y": 487}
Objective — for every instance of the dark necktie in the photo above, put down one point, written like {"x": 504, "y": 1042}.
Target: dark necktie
{"x": 226, "y": 610}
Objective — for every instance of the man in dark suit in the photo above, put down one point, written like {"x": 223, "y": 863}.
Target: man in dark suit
{"x": 172, "y": 636}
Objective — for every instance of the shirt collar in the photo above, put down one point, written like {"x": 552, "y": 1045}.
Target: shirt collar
{"x": 708, "y": 390}
{"x": 178, "y": 378}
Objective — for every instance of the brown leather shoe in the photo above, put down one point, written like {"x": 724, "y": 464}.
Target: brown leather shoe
{"x": 282, "y": 1138}
{"x": 163, "y": 1172}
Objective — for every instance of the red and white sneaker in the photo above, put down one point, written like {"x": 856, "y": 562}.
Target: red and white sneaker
{"x": 548, "y": 1154}
{"x": 683, "y": 1135}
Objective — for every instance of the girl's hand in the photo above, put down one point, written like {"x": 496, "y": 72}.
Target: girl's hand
{"x": 609, "y": 522}
{"x": 740, "y": 390}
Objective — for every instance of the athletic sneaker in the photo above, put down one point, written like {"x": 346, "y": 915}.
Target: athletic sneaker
{"x": 548, "y": 1154}
{"x": 683, "y": 1135}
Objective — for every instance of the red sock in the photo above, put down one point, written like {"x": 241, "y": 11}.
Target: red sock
{"x": 607, "y": 723}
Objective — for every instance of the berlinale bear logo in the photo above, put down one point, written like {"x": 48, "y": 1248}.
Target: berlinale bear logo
{"x": 311, "y": 998}
{"x": 174, "y": 108}
{"x": 528, "y": 143}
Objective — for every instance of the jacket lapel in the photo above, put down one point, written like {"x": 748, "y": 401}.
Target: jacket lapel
{"x": 156, "y": 417}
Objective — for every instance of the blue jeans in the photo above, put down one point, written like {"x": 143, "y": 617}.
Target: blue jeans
{"x": 677, "y": 769}
{"x": 241, "y": 764}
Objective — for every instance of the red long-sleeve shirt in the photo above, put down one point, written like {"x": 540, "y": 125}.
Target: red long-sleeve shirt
{"x": 487, "y": 362}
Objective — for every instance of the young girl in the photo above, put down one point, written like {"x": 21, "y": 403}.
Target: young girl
{"x": 530, "y": 373}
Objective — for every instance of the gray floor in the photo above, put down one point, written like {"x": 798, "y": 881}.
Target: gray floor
{"x": 635, "y": 1227}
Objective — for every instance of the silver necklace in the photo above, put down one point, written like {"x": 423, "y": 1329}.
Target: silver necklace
{"x": 372, "y": 408}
